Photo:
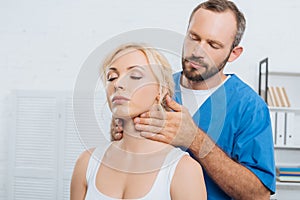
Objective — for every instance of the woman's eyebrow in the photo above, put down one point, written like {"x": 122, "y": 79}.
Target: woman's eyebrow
{"x": 136, "y": 66}
{"x": 128, "y": 68}
{"x": 112, "y": 69}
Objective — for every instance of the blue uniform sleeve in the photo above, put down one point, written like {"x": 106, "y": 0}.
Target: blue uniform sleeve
{"x": 253, "y": 146}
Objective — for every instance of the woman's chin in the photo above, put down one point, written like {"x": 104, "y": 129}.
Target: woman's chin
{"x": 124, "y": 113}
{"x": 124, "y": 116}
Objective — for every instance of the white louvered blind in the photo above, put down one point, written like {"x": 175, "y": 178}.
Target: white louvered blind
{"x": 45, "y": 144}
{"x": 34, "y": 148}
{"x": 72, "y": 146}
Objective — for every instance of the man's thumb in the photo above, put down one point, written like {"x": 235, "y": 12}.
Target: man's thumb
{"x": 173, "y": 104}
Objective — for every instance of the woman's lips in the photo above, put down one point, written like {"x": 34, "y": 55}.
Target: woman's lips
{"x": 119, "y": 99}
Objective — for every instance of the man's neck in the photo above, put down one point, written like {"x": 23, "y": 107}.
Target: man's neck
{"x": 209, "y": 83}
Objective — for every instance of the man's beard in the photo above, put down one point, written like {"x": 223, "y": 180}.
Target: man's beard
{"x": 193, "y": 74}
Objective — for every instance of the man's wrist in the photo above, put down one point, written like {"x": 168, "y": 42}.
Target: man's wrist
{"x": 202, "y": 144}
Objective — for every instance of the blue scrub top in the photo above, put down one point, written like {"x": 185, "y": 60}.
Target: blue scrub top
{"x": 238, "y": 120}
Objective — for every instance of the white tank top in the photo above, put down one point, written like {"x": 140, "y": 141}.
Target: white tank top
{"x": 160, "y": 188}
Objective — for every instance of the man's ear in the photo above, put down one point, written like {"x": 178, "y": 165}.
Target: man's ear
{"x": 235, "y": 53}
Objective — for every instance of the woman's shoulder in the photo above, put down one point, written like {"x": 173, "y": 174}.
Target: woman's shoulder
{"x": 85, "y": 156}
{"x": 188, "y": 163}
{"x": 188, "y": 177}
{"x": 185, "y": 163}
{"x": 82, "y": 162}
{"x": 79, "y": 181}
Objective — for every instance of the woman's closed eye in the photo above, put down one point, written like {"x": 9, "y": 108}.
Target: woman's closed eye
{"x": 136, "y": 75}
{"x": 112, "y": 76}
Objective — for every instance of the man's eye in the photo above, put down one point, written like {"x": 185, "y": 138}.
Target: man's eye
{"x": 214, "y": 46}
{"x": 192, "y": 37}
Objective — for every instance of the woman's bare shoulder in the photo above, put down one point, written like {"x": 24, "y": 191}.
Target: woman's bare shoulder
{"x": 187, "y": 163}
{"x": 83, "y": 160}
{"x": 79, "y": 182}
{"x": 188, "y": 178}
{"x": 84, "y": 157}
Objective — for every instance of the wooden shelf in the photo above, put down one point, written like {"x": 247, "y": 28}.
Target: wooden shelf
{"x": 284, "y": 155}
{"x": 277, "y": 73}
{"x": 287, "y": 147}
{"x": 292, "y": 109}
{"x": 287, "y": 184}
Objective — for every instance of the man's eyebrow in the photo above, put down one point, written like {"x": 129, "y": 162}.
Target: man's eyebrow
{"x": 194, "y": 33}
{"x": 209, "y": 40}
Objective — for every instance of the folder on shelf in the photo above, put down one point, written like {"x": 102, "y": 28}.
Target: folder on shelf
{"x": 288, "y": 178}
{"x": 287, "y": 101}
{"x": 288, "y": 174}
{"x": 280, "y": 128}
{"x": 274, "y": 97}
{"x": 284, "y": 101}
{"x": 273, "y": 124}
{"x": 270, "y": 99}
{"x": 279, "y": 94}
{"x": 277, "y": 97}
{"x": 290, "y": 129}
{"x": 288, "y": 171}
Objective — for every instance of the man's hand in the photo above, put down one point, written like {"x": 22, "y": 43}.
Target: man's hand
{"x": 116, "y": 131}
{"x": 176, "y": 128}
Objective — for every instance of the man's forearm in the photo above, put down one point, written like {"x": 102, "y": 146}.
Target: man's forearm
{"x": 234, "y": 179}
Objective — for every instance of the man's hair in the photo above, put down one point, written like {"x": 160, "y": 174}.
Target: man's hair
{"x": 222, "y": 6}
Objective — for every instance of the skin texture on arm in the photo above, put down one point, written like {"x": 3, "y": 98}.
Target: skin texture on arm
{"x": 179, "y": 129}
{"x": 235, "y": 179}
{"x": 78, "y": 182}
{"x": 188, "y": 182}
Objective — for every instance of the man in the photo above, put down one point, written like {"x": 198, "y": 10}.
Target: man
{"x": 230, "y": 133}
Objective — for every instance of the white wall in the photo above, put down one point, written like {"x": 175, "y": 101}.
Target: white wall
{"x": 44, "y": 43}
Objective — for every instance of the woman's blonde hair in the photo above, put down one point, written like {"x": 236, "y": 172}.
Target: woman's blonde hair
{"x": 157, "y": 62}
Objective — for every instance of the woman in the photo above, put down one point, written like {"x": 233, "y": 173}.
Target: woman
{"x": 137, "y": 78}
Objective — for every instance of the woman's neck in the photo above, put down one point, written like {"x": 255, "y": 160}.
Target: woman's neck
{"x": 133, "y": 142}
{"x": 134, "y": 153}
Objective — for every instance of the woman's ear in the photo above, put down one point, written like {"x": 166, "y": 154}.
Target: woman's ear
{"x": 158, "y": 100}
{"x": 235, "y": 53}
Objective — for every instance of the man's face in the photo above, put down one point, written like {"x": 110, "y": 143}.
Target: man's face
{"x": 208, "y": 43}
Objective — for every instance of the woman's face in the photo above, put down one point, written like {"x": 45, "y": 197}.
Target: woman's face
{"x": 131, "y": 87}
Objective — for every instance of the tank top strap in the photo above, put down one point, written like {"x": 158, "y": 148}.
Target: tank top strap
{"x": 162, "y": 184}
{"x": 95, "y": 160}
{"x": 172, "y": 161}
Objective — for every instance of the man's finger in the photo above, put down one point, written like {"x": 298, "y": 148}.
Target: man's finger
{"x": 173, "y": 104}
{"x": 154, "y": 114}
{"x": 149, "y": 121}
{"x": 119, "y": 122}
{"x": 154, "y": 136}
{"x": 119, "y": 129}
{"x": 118, "y": 136}
{"x": 148, "y": 128}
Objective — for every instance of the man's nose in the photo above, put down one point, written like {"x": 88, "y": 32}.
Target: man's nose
{"x": 198, "y": 50}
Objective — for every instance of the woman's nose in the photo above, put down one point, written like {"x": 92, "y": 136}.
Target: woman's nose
{"x": 120, "y": 83}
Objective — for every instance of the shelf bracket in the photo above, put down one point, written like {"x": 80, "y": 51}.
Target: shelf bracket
{"x": 262, "y": 63}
